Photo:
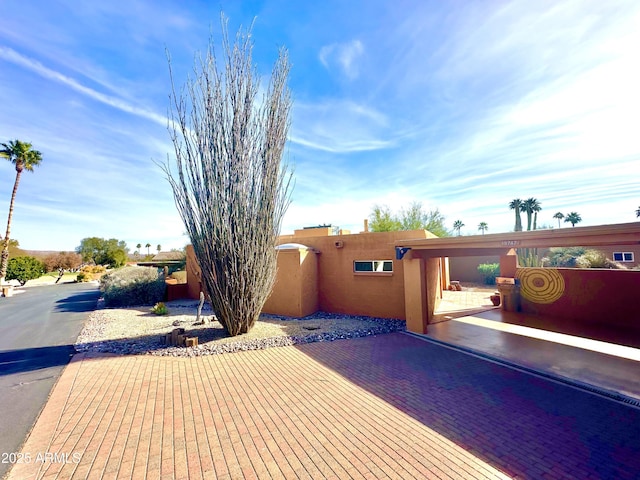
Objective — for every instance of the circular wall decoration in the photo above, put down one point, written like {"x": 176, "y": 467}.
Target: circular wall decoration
{"x": 540, "y": 285}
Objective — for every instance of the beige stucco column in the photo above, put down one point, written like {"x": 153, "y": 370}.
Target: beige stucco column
{"x": 509, "y": 264}
{"x": 421, "y": 287}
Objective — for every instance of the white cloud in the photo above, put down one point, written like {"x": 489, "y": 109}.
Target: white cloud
{"x": 343, "y": 56}
{"x": 340, "y": 126}
{"x": 35, "y": 66}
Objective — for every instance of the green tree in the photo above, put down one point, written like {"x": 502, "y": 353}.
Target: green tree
{"x": 457, "y": 225}
{"x": 24, "y": 158}
{"x": 482, "y": 226}
{"x": 382, "y": 219}
{"x": 138, "y": 246}
{"x": 148, "y": 246}
{"x": 24, "y": 269}
{"x": 559, "y": 216}
{"x": 516, "y": 204}
{"x": 112, "y": 252}
{"x": 573, "y": 218}
{"x": 158, "y": 248}
{"x": 231, "y": 186}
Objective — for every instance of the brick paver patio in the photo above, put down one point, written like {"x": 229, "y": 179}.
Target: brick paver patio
{"x": 391, "y": 406}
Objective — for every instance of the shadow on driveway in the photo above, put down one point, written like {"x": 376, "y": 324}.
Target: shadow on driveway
{"x": 524, "y": 425}
{"x": 79, "y": 302}
{"x": 29, "y": 359}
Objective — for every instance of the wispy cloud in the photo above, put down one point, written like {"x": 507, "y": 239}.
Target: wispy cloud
{"x": 344, "y": 56}
{"x": 11, "y": 55}
{"x": 341, "y": 126}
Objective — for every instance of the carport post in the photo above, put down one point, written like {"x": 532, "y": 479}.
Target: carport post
{"x": 421, "y": 282}
{"x": 509, "y": 264}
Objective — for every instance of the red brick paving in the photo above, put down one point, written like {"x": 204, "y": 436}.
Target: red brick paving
{"x": 391, "y": 406}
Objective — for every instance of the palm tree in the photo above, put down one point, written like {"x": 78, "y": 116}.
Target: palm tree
{"x": 482, "y": 226}
{"x": 516, "y": 204}
{"x": 536, "y": 208}
{"x": 147, "y": 246}
{"x": 529, "y": 206}
{"x": 457, "y": 225}
{"x": 138, "y": 246}
{"x": 159, "y": 247}
{"x": 24, "y": 158}
{"x": 573, "y": 218}
{"x": 638, "y": 212}
{"x": 559, "y": 216}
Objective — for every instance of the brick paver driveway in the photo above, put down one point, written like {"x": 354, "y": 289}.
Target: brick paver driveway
{"x": 387, "y": 406}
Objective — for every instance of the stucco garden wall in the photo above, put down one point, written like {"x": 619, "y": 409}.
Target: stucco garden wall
{"x": 597, "y": 296}
{"x": 465, "y": 269}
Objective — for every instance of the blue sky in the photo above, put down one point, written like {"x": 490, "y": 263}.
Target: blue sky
{"x": 460, "y": 105}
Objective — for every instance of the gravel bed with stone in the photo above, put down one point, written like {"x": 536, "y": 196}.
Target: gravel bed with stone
{"x": 135, "y": 330}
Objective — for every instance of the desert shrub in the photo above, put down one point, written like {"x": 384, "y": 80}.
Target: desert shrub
{"x": 24, "y": 269}
{"x": 565, "y": 256}
{"x": 94, "y": 269}
{"x": 489, "y": 272}
{"x": 90, "y": 272}
{"x": 577, "y": 257}
{"x": 130, "y": 286}
{"x": 180, "y": 276}
{"x": 594, "y": 258}
{"x": 160, "y": 309}
{"x": 84, "y": 277}
{"x": 608, "y": 263}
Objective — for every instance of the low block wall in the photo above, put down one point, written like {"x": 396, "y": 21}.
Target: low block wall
{"x": 596, "y": 296}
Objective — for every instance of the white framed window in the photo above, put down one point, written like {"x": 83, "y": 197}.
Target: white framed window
{"x": 373, "y": 266}
{"x": 623, "y": 256}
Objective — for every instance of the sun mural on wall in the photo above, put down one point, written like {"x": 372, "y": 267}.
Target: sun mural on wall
{"x": 540, "y": 285}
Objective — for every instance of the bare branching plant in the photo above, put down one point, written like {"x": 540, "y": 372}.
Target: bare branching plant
{"x": 229, "y": 182}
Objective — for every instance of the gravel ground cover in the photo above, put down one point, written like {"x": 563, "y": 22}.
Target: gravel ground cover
{"x": 138, "y": 331}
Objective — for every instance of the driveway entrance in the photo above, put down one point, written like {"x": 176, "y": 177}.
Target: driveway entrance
{"x": 596, "y": 358}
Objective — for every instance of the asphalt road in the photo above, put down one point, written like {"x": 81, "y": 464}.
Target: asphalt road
{"x": 37, "y": 331}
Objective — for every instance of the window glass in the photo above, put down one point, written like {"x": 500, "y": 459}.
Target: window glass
{"x": 378, "y": 266}
{"x": 617, "y": 256}
{"x": 363, "y": 266}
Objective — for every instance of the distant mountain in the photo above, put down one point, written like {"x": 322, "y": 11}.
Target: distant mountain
{"x": 41, "y": 253}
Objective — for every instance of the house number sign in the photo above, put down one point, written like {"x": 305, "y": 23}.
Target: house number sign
{"x": 510, "y": 243}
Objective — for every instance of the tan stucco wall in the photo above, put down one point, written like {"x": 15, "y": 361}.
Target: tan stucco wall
{"x": 465, "y": 269}
{"x": 329, "y": 283}
{"x": 340, "y": 290}
{"x": 295, "y": 293}
{"x": 312, "y": 232}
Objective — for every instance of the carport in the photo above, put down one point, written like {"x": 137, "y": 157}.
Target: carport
{"x": 421, "y": 261}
